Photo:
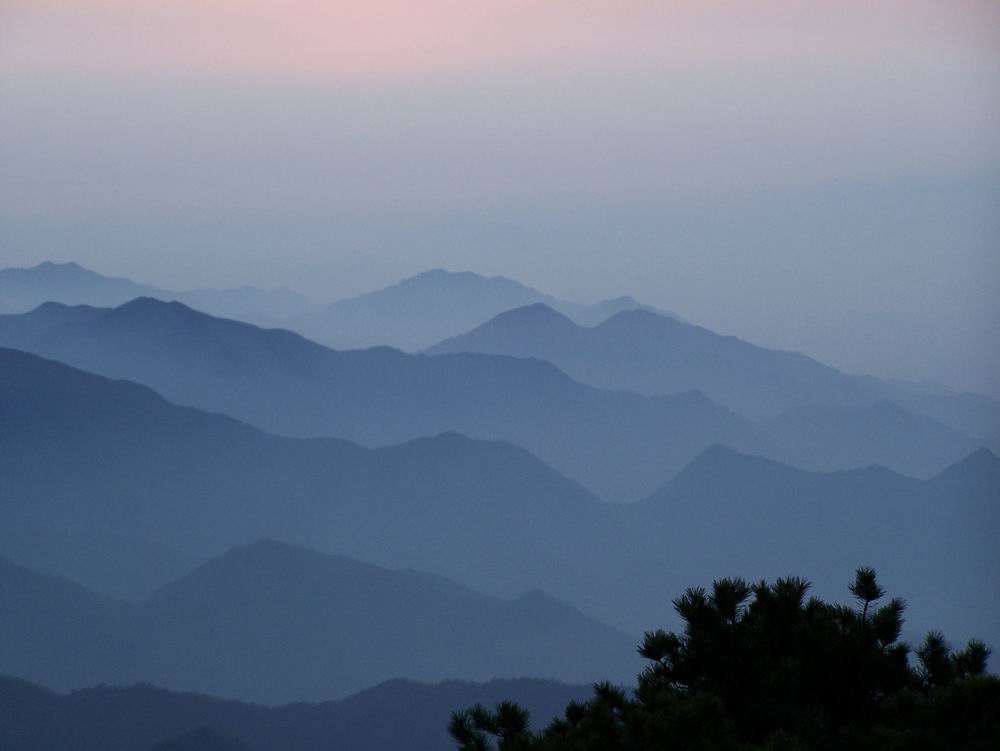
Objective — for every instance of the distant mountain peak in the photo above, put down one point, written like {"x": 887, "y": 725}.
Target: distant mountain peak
{"x": 54, "y": 271}
{"x": 442, "y": 276}
{"x": 266, "y": 556}
{"x": 152, "y": 303}
{"x": 981, "y": 461}
{"x": 719, "y": 454}
{"x": 152, "y": 310}
{"x": 638, "y": 315}
{"x": 267, "y": 547}
{"x": 722, "y": 463}
{"x": 536, "y": 313}
{"x": 445, "y": 273}
{"x": 438, "y": 276}
{"x": 264, "y": 544}
{"x": 620, "y": 300}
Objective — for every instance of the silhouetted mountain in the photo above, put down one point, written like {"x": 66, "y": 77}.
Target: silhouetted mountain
{"x": 112, "y": 564}
{"x": 973, "y": 414}
{"x": 273, "y": 623}
{"x": 392, "y": 716}
{"x": 591, "y": 315}
{"x": 57, "y": 632}
{"x": 652, "y": 354}
{"x": 935, "y": 538}
{"x": 835, "y": 437}
{"x": 23, "y": 289}
{"x": 620, "y": 445}
{"x": 423, "y": 309}
{"x": 80, "y": 453}
{"x": 979, "y": 470}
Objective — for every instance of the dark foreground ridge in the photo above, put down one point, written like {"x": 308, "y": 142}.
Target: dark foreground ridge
{"x": 391, "y": 716}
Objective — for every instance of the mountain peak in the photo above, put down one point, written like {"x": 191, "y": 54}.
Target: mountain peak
{"x": 530, "y": 315}
{"x": 981, "y": 462}
{"x": 264, "y": 563}
{"x": 69, "y": 266}
{"x": 718, "y": 455}
{"x": 637, "y": 316}
{"x": 443, "y": 276}
{"x": 621, "y": 300}
{"x": 53, "y": 272}
{"x": 151, "y": 303}
{"x": 151, "y": 309}
{"x": 268, "y": 553}
{"x": 720, "y": 466}
{"x": 439, "y": 273}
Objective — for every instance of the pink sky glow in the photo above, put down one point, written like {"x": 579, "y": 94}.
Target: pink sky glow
{"x": 401, "y": 38}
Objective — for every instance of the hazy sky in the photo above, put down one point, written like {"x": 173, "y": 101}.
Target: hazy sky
{"x": 822, "y": 176}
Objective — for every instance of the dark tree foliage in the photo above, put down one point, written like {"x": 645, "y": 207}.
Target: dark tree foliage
{"x": 765, "y": 667}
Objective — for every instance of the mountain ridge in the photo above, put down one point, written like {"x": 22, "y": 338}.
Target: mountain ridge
{"x": 392, "y": 715}
{"x": 274, "y": 623}
{"x": 639, "y": 350}
{"x": 620, "y": 445}
{"x": 23, "y": 289}
{"x": 417, "y": 311}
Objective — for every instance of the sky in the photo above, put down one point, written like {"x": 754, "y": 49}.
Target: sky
{"x": 815, "y": 176}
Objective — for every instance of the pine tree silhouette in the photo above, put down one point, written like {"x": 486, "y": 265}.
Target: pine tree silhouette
{"x": 765, "y": 667}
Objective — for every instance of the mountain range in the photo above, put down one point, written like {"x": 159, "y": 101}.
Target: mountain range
{"x": 273, "y": 623}
{"x": 410, "y": 315}
{"x": 423, "y": 309}
{"x": 393, "y": 715}
{"x": 639, "y": 350}
{"x": 83, "y": 454}
{"x": 23, "y": 289}
{"x": 619, "y": 444}
{"x": 932, "y": 541}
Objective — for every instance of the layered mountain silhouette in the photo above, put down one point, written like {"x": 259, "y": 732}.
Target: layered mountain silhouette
{"x": 123, "y": 566}
{"x": 273, "y": 623}
{"x": 393, "y": 715}
{"x": 83, "y": 454}
{"x": 932, "y": 538}
{"x": 620, "y": 445}
{"x": 410, "y": 315}
{"x": 641, "y": 351}
{"x": 973, "y": 414}
{"x": 423, "y": 309}
{"x": 834, "y": 437}
{"x": 23, "y": 289}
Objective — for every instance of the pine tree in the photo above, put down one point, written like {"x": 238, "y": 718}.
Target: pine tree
{"x": 765, "y": 667}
